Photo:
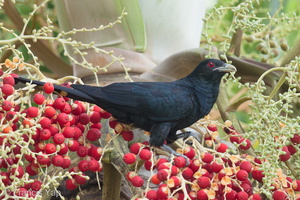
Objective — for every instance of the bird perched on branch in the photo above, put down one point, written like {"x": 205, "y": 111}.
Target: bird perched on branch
{"x": 160, "y": 108}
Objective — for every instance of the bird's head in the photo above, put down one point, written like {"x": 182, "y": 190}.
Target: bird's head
{"x": 212, "y": 69}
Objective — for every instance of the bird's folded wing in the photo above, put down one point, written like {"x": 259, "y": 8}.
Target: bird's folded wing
{"x": 157, "y": 101}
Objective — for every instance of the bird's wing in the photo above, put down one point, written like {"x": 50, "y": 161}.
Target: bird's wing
{"x": 157, "y": 101}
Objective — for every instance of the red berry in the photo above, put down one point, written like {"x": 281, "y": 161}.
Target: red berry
{"x": 58, "y": 160}
{"x": 62, "y": 118}
{"x": 97, "y": 126}
{"x": 84, "y": 118}
{"x": 49, "y": 111}
{"x": 129, "y": 158}
{"x": 242, "y": 175}
{"x": 137, "y": 181}
{"x": 80, "y": 179}
{"x": 83, "y": 165}
{"x": 77, "y": 132}
{"x": 203, "y": 182}
{"x": 7, "y": 105}
{"x": 58, "y": 138}
{"x": 39, "y": 146}
{"x": 285, "y": 156}
{"x": 39, "y": 99}
{"x": 7, "y": 89}
{"x": 8, "y": 79}
{"x": 71, "y": 184}
{"x": 180, "y": 162}
{"x": 161, "y": 161}
{"x": 207, "y": 157}
{"x": 66, "y": 162}
{"x": 145, "y": 154}
{"x": 246, "y": 165}
{"x": 82, "y": 151}
{"x": 32, "y": 112}
{"x": 127, "y": 135}
{"x": 93, "y": 165}
{"x": 93, "y": 134}
{"x": 53, "y": 129}
{"x": 10, "y": 115}
{"x": 135, "y": 148}
{"x": 5, "y": 178}
{"x": 195, "y": 165}
{"x": 296, "y": 139}
{"x": 155, "y": 180}
{"x": 43, "y": 159}
{"x": 130, "y": 175}
{"x": 151, "y": 195}
{"x": 45, "y": 122}
{"x": 202, "y": 194}
{"x": 48, "y": 88}
{"x": 76, "y": 109}
{"x": 148, "y": 165}
{"x": 292, "y": 149}
{"x": 296, "y": 185}
{"x": 212, "y": 127}
{"x": 231, "y": 195}
{"x": 95, "y": 117}
{"x": 257, "y": 175}
{"x": 163, "y": 174}
{"x": 279, "y": 195}
{"x": 45, "y": 134}
{"x": 162, "y": 192}
{"x": 105, "y": 114}
{"x": 187, "y": 173}
{"x": 189, "y": 152}
{"x": 36, "y": 185}
{"x": 97, "y": 152}
{"x": 112, "y": 122}
{"x": 216, "y": 167}
{"x": 17, "y": 172}
{"x": 50, "y": 148}
{"x": 255, "y": 197}
{"x": 246, "y": 185}
{"x": 245, "y": 146}
{"x": 63, "y": 149}
{"x": 173, "y": 182}
{"x": 59, "y": 103}
{"x": 73, "y": 145}
{"x": 221, "y": 147}
{"x": 236, "y": 138}
{"x": 68, "y": 132}
{"x": 66, "y": 109}
{"x": 242, "y": 195}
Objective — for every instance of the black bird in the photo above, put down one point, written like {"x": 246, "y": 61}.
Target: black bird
{"x": 161, "y": 108}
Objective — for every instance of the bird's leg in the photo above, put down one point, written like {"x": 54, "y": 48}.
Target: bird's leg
{"x": 159, "y": 133}
{"x": 173, "y": 152}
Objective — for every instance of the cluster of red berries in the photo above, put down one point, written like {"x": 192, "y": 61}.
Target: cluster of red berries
{"x": 208, "y": 175}
{"x": 47, "y": 134}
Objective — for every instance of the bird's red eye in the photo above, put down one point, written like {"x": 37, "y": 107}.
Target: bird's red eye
{"x": 211, "y": 64}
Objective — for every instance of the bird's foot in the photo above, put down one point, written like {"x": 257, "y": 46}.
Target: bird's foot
{"x": 173, "y": 152}
{"x": 187, "y": 134}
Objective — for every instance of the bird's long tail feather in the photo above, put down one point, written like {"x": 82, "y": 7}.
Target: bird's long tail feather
{"x": 61, "y": 90}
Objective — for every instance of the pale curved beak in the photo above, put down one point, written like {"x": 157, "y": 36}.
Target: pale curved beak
{"x": 226, "y": 68}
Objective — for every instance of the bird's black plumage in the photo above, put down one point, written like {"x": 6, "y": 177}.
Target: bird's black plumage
{"x": 161, "y": 108}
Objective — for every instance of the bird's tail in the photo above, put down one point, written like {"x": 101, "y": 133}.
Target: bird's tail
{"x": 61, "y": 90}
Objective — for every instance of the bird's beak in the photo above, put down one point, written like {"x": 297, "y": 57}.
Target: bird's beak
{"x": 226, "y": 68}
